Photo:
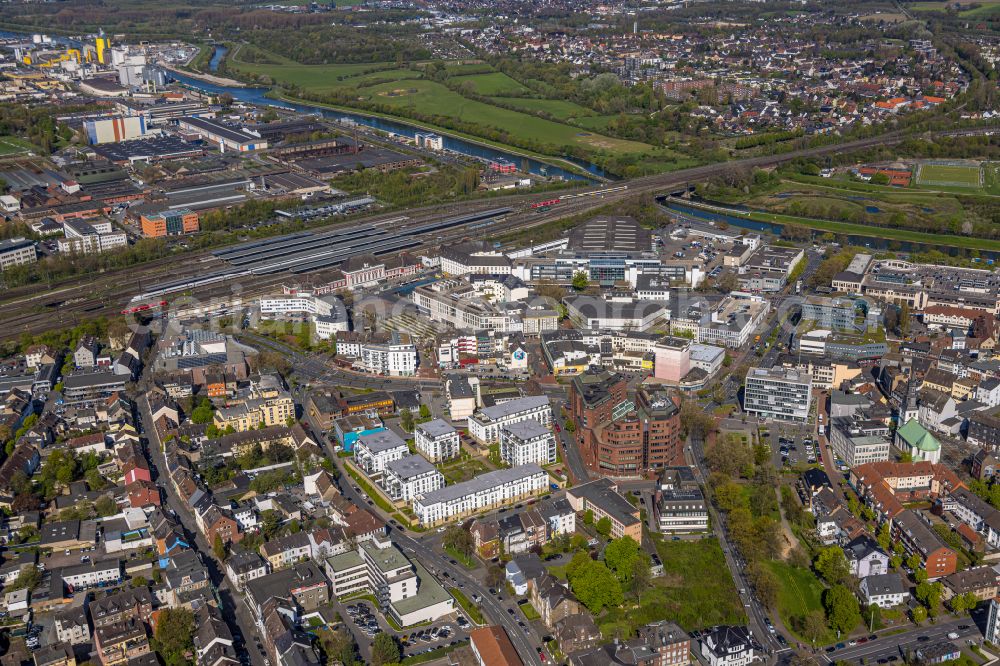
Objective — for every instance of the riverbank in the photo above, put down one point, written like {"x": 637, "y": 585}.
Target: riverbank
{"x": 486, "y": 143}
{"x": 846, "y": 228}
{"x": 207, "y": 78}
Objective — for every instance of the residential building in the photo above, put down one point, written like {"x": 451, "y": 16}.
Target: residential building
{"x": 395, "y": 357}
{"x": 242, "y": 567}
{"x": 602, "y": 498}
{"x": 883, "y": 590}
{"x": 491, "y": 647}
{"x": 865, "y": 559}
{"x": 92, "y": 574}
{"x": 410, "y": 477}
{"x": 133, "y": 603}
{"x": 728, "y": 646}
{"x": 374, "y": 451}
{"x": 981, "y": 581}
{"x": 437, "y": 440}
{"x": 287, "y": 550}
{"x": 118, "y": 643}
{"x": 485, "y": 424}
{"x": 918, "y": 538}
{"x": 776, "y": 393}
{"x": 71, "y": 625}
{"x": 486, "y": 491}
{"x": 526, "y": 442}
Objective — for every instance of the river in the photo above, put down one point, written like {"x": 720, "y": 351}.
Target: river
{"x": 873, "y": 242}
{"x": 217, "y": 55}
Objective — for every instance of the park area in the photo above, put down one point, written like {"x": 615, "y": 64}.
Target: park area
{"x": 695, "y": 590}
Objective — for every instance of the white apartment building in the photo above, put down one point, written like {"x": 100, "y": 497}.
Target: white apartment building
{"x": 778, "y": 393}
{"x": 396, "y": 357}
{"x": 410, "y": 477}
{"x": 437, "y": 440}
{"x": 527, "y": 442}
{"x": 403, "y": 588}
{"x": 90, "y": 575}
{"x": 859, "y": 442}
{"x": 486, "y": 491}
{"x": 485, "y": 424}
{"x": 374, "y": 451}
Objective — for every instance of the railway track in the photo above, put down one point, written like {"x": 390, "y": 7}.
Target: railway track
{"x": 36, "y": 308}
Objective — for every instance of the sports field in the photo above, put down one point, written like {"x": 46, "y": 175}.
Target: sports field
{"x": 950, "y": 174}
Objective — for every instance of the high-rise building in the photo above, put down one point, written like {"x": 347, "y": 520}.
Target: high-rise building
{"x": 778, "y": 393}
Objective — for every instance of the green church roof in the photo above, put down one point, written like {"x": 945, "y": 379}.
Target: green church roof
{"x": 916, "y": 436}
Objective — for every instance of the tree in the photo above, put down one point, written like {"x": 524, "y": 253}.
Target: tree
{"x": 765, "y": 584}
{"x": 139, "y": 581}
{"x": 495, "y": 576}
{"x": 842, "y": 609}
{"x": 919, "y": 614}
{"x": 425, "y": 412}
{"x": 580, "y": 280}
{"x": 203, "y": 413}
{"x": 173, "y": 638}
{"x": 385, "y": 650}
{"x": 920, "y": 575}
{"x": 832, "y": 565}
{"x": 620, "y": 556}
{"x": 929, "y": 594}
{"x": 337, "y": 646}
{"x": 460, "y": 540}
{"x": 884, "y": 538}
{"x": 219, "y": 547}
{"x": 603, "y": 527}
{"x": 641, "y": 577}
{"x": 873, "y": 616}
{"x": 406, "y": 419}
{"x": 588, "y": 517}
{"x": 594, "y": 585}
{"x": 28, "y": 579}
{"x": 913, "y": 562}
{"x": 814, "y": 626}
{"x": 105, "y": 506}
{"x": 895, "y": 561}
{"x": 695, "y": 421}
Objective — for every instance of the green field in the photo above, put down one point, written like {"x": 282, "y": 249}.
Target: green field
{"x": 800, "y": 592}
{"x": 985, "y": 9}
{"x": 944, "y": 174}
{"x": 381, "y": 83}
{"x": 557, "y": 108}
{"x": 12, "y": 145}
{"x": 494, "y": 83}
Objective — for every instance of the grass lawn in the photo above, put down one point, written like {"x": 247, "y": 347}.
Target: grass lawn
{"x": 528, "y": 610}
{"x": 465, "y": 560}
{"x": 470, "y": 608}
{"x": 457, "y": 472}
{"x": 434, "y": 98}
{"x": 494, "y": 83}
{"x": 964, "y": 176}
{"x": 696, "y": 591}
{"x": 558, "y": 108}
{"x": 10, "y": 145}
{"x": 800, "y": 593}
{"x": 317, "y": 78}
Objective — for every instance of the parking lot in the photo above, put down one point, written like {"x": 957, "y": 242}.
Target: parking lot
{"x": 792, "y": 444}
{"x": 365, "y": 622}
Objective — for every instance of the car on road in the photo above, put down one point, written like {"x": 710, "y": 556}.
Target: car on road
{"x": 952, "y": 635}
{"x": 923, "y": 638}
